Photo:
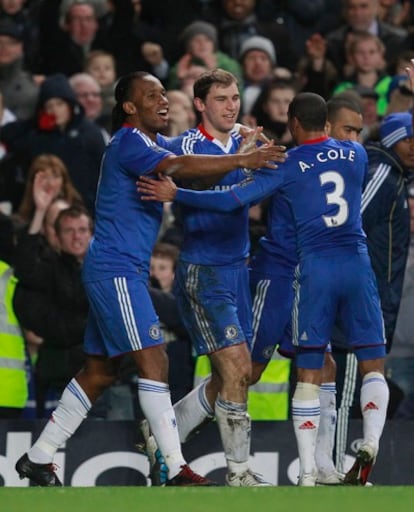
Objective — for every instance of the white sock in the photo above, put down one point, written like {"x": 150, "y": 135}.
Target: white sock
{"x": 192, "y": 410}
{"x": 326, "y": 432}
{"x": 72, "y": 409}
{"x": 306, "y": 416}
{"x": 374, "y": 402}
{"x": 155, "y": 400}
{"x": 235, "y": 426}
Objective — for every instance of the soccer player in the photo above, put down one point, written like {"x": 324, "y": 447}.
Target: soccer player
{"x": 212, "y": 286}
{"x": 116, "y": 274}
{"x": 323, "y": 180}
{"x": 272, "y": 275}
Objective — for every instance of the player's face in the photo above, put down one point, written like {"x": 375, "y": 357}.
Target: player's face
{"x": 150, "y": 105}
{"x": 405, "y": 150}
{"x": 347, "y": 126}
{"x": 220, "y": 109}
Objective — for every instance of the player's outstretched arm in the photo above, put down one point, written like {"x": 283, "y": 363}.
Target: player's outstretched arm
{"x": 195, "y": 166}
{"x": 261, "y": 185}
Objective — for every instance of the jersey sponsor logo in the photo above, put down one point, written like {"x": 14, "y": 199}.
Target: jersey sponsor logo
{"x": 231, "y": 332}
{"x": 155, "y": 332}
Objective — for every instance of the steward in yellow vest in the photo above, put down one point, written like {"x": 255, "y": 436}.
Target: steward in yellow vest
{"x": 13, "y": 378}
{"x": 268, "y": 399}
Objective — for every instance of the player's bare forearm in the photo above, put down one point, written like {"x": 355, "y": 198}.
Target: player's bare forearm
{"x": 163, "y": 189}
{"x": 194, "y": 166}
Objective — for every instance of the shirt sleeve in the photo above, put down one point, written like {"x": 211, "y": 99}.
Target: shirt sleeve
{"x": 256, "y": 187}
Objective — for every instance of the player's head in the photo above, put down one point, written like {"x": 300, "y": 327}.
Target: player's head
{"x": 397, "y": 135}
{"x": 307, "y": 115}
{"x": 344, "y": 119}
{"x": 141, "y": 102}
{"x": 217, "y": 100}
{"x": 206, "y": 80}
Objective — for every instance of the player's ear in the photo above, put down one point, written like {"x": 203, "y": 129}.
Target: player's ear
{"x": 199, "y": 104}
{"x": 129, "y": 108}
{"x": 328, "y": 128}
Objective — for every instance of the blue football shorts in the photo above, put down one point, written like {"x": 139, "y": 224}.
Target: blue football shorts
{"x": 121, "y": 317}
{"x": 337, "y": 285}
{"x": 273, "y": 296}
{"x": 215, "y": 304}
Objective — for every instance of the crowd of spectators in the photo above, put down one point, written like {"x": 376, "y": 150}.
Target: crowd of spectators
{"x": 59, "y": 63}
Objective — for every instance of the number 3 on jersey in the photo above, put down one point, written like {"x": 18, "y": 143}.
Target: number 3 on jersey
{"x": 335, "y": 197}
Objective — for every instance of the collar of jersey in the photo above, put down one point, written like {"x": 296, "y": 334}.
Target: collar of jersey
{"x": 127, "y": 125}
{"x": 316, "y": 141}
{"x": 201, "y": 128}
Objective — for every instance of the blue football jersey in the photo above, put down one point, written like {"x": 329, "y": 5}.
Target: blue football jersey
{"x": 212, "y": 238}
{"x": 322, "y": 180}
{"x": 126, "y": 228}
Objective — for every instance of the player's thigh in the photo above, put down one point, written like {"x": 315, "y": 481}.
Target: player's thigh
{"x": 208, "y": 301}
{"x": 315, "y": 303}
{"x": 123, "y": 314}
{"x": 272, "y": 311}
{"x": 360, "y": 310}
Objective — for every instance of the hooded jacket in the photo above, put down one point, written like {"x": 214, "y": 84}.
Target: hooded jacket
{"x": 80, "y": 144}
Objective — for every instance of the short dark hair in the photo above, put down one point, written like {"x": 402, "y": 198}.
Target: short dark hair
{"x": 310, "y": 110}
{"x": 73, "y": 212}
{"x": 336, "y": 104}
{"x": 204, "y": 82}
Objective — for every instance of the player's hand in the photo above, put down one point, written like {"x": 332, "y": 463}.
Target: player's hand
{"x": 162, "y": 189}
{"x": 250, "y": 136}
{"x": 265, "y": 155}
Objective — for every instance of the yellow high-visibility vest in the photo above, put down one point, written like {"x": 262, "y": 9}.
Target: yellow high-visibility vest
{"x": 268, "y": 399}
{"x": 13, "y": 377}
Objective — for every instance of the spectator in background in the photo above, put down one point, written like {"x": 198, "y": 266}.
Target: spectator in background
{"x": 162, "y": 266}
{"x": 18, "y": 87}
{"x": 238, "y": 21}
{"x": 362, "y": 16}
{"x": 13, "y": 379}
{"x": 64, "y": 46}
{"x": 271, "y": 110}
{"x": 24, "y": 14}
{"x": 299, "y": 17}
{"x": 258, "y": 61}
{"x": 89, "y": 94}
{"x": 47, "y": 174}
{"x": 181, "y": 363}
{"x": 134, "y": 43}
{"x": 51, "y": 302}
{"x": 365, "y": 55}
{"x": 61, "y": 128}
{"x": 399, "y": 363}
{"x": 200, "y": 47}
{"x": 181, "y": 112}
{"x": 102, "y": 66}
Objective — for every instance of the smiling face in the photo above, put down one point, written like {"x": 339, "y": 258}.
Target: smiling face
{"x": 147, "y": 109}
{"x": 219, "y": 110}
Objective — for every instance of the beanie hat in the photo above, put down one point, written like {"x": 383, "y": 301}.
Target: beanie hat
{"x": 56, "y": 86}
{"x": 199, "y": 27}
{"x": 395, "y": 127}
{"x": 258, "y": 43}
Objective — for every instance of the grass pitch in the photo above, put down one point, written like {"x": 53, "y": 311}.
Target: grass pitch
{"x": 217, "y": 499}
